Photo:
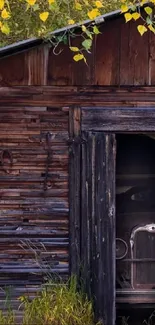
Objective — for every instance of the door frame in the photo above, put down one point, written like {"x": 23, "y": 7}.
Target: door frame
{"x": 97, "y": 119}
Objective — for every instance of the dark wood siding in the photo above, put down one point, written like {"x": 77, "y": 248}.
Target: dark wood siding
{"x": 118, "y": 119}
{"x": 33, "y": 195}
{"x": 120, "y": 57}
{"x": 37, "y": 86}
{"x": 98, "y": 221}
{"x": 74, "y": 189}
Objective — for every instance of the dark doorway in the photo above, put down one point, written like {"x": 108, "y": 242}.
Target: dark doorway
{"x": 135, "y": 227}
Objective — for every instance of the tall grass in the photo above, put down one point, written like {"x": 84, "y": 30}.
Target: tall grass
{"x": 9, "y": 317}
{"x": 56, "y": 304}
{"x": 59, "y": 304}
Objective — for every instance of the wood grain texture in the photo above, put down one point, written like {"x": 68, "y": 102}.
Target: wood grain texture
{"x": 33, "y": 221}
{"x": 14, "y": 70}
{"x": 98, "y": 222}
{"x": 37, "y": 60}
{"x": 74, "y": 188}
{"x": 64, "y": 71}
{"x": 42, "y": 96}
{"x": 119, "y": 56}
{"x": 107, "y": 58}
{"x": 119, "y": 119}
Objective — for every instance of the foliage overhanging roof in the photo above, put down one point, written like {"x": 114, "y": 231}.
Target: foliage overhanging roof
{"x": 33, "y": 42}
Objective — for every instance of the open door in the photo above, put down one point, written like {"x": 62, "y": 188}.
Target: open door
{"x": 98, "y": 221}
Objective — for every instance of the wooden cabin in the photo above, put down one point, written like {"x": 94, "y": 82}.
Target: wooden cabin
{"x": 77, "y": 169}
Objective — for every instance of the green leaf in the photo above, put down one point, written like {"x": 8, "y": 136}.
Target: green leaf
{"x": 96, "y": 30}
{"x": 86, "y": 31}
{"x": 65, "y": 39}
{"x": 87, "y": 43}
{"x": 36, "y": 7}
{"x": 133, "y": 8}
{"x": 148, "y": 20}
{"x": 148, "y": 10}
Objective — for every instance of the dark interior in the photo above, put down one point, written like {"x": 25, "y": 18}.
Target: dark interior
{"x": 135, "y": 228}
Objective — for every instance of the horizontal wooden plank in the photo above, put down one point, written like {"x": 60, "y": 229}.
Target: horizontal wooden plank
{"x": 118, "y": 119}
{"x": 51, "y": 95}
{"x": 33, "y": 220}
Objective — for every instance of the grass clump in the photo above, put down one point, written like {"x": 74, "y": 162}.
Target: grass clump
{"x": 59, "y": 304}
{"x": 56, "y": 304}
{"x": 8, "y": 319}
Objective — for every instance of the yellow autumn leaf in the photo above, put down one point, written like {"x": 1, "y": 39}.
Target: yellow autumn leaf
{"x": 83, "y": 28}
{"x": 71, "y": 22}
{"x": 93, "y": 13}
{"x": 5, "y": 29}
{"x": 44, "y": 15}
{"x": 31, "y": 2}
{"x": 78, "y": 57}
{"x": 124, "y": 8}
{"x": 128, "y": 17}
{"x": 51, "y": 1}
{"x": 98, "y": 4}
{"x": 1, "y": 4}
{"x": 5, "y": 14}
{"x": 151, "y": 28}
{"x": 142, "y": 29}
{"x": 136, "y": 15}
{"x": 74, "y": 48}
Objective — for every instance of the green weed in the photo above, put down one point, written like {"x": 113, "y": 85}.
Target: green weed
{"x": 59, "y": 304}
{"x": 56, "y": 304}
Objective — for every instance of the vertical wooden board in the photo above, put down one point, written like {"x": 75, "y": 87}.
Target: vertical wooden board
{"x": 37, "y": 61}
{"x": 84, "y": 72}
{"x": 87, "y": 248}
{"x": 14, "y": 70}
{"x": 104, "y": 208}
{"x": 60, "y": 66}
{"x": 107, "y": 59}
{"x": 125, "y": 68}
{"x": 138, "y": 57}
{"x": 63, "y": 70}
{"x": 98, "y": 222}
{"x": 74, "y": 189}
{"x": 151, "y": 59}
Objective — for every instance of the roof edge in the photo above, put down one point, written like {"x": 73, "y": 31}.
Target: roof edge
{"x": 24, "y": 45}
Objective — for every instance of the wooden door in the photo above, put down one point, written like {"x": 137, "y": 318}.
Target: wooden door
{"x": 98, "y": 221}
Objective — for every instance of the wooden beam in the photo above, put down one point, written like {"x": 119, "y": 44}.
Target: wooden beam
{"x": 74, "y": 188}
{"x": 84, "y": 96}
{"x": 118, "y": 119}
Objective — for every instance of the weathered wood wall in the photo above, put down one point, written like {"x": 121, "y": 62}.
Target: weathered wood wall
{"x": 120, "y": 56}
{"x": 47, "y": 85}
{"x": 33, "y": 195}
